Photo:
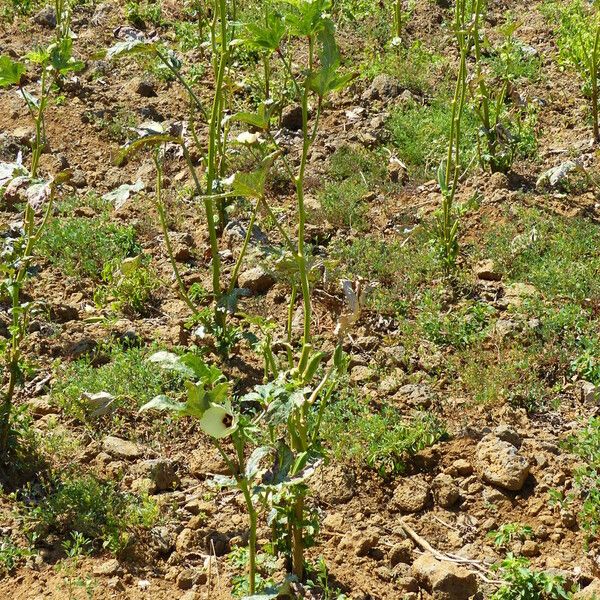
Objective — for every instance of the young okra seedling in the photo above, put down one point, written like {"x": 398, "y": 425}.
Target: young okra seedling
{"x": 501, "y": 127}
{"x": 446, "y": 225}
{"x": 55, "y": 62}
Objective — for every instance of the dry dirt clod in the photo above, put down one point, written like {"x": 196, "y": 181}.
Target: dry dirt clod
{"x": 499, "y": 463}
{"x": 46, "y": 17}
{"x": 415, "y": 395}
{"x": 445, "y": 580}
{"x": 291, "y": 118}
{"x": 412, "y": 495}
{"x": 108, "y": 569}
{"x": 358, "y": 542}
{"x": 161, "y": 472}
{"x": 445, "y": 491}
{"x": 401, "y": 552}
{"x": 486, "y": 271}
{"x": 142, "y": 88}
{"x": 383, "y": 87}
{"x": 41, "y": 407}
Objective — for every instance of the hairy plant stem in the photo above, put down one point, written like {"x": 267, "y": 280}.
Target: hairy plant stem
{"x": 594, "y": 60}
{"x": 212, "y": 233}
{"x": 19, "y": 318}
{"x": 165, "y": 229}
{"x": 40, "y": 125}
{"x": 238, "y": 472}
{"x": 188, "y": 88}
{"x": 449, "y": 224}
{"x": 398, "y": 17}
{"x": 238, "y": 264}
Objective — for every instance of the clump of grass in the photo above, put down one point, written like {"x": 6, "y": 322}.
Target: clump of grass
{"x": 127, "y": 376}
{"x": 402, "y": 269}
{"x": 80, "y": 246}
{"x": 461, "y": 327}
{"x": 354, "y": 172}
{"x": 512, "y": 377}
{"x": 419, "y": 132}
{"x": 586, "y": 444}
{"x": 381, "y": 440}
{"x": 96, "y": 509}
{"x": 558, "y": 255}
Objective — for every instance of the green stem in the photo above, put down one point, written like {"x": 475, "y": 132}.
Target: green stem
{"x": 165, "y": 229}
{"x": 19, "y": 317}
{"x": 40, "y": 135}
{"x": 594, "y": 74}
{"x": 212, "y": 232}
{"x": 301, "y": 256}
{"x": 240, "y": 258}
{"x": 193, "y": 96}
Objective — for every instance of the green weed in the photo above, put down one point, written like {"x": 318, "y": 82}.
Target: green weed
{"x": 381, "y": 440}
{"x": 420, "y": 132}
{"x": 521, "y": 582}
{"x": 127, "y": 376}
{"x": 402, "y": 269}
{"x": 128, "y": 286}
{"x": 558, "y": 255}
{"x": 94, "y": 509}
{"x": 81, "y": 246}
{"x": 354, "y": 173}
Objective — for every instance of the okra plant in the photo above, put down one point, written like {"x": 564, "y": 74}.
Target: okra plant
{"x": 579, "y": 45}
{"x": 446, "y": 225}
{"x": 55, "y": 62}
{"x": 17, "y": 258}
{"x": 501, "y": 127}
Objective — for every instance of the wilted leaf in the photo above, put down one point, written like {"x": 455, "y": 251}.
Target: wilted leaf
{"x": 147, "y": 141}
{"x": 99, "y": 403}
{"x": 9, "y": 171}
{"x": 171, "y": 362}
{"x": 163, "y": 402}
{"x": 119, "y": 196}
{"x": 129, "y": 47}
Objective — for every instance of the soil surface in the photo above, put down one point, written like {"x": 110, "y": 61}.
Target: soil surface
{"x": 374, "y": 529}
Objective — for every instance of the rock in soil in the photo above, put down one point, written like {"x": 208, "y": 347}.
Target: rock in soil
{"x": 499, "y": 463}
{"x": 383, "y": 87}
{"x": 258, "y": 280}
{"x": 162, "y": 472}
{"x": 121, "y": 448}
{"x": 590, "y": 592}
{"x": 445, "y": 580}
